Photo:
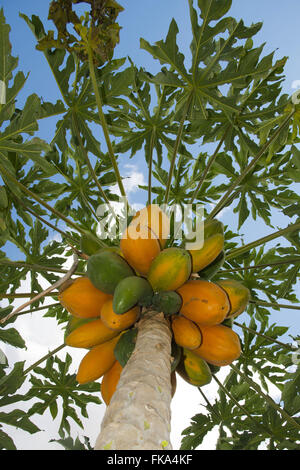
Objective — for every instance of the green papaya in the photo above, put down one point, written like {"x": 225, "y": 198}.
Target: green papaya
{"x": 211, "y": 270}
{"x": 193, "y": 369}
{"x": 213, "y": 369}
{"x": 228, "y": 322}
{"x": 89, "y": 244}
{"x": 168, "y": 302}
{"x": 106, "y": 269}
{"x": 212, "y": 227}
{"x": 131, "y": 291}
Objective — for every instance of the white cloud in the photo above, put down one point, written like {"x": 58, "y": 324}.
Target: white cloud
{"x": 131, "y": 181}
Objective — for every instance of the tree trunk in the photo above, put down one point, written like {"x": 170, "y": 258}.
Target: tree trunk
{"x": 138, "y": 416}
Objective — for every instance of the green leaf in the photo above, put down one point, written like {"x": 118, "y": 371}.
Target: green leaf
{"x": 167, "y": 51}
{"x": 19, "y": 419}
{"x": 11, "y": 336}
{"x": 125, "y": 346}
{"x": 71, "y": 444}
{"x": 6, "y": 441}
{"x": 12, "y": 381}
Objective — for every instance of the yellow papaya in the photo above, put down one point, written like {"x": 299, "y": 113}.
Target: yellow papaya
{"x": 82, "y": 299}
{"x": 118, "y": 322}
{"x": 75, "y": 322}
{"x": 90, "y": 334}
{"x": 139, "y": 246}
{"x": 170, "y": 269}
{"x": 110, "y": 381}
{"x": 193, "y": 369}
{"x": 186, "y": 333}
{"x": 156, "y": 220}
{"x": 203, "y": 302}
{"x": 238, "y": 294}
{"x": 210, "y": 250}
{"x": 97, "y": 361}
{"x": 220, "y": 345}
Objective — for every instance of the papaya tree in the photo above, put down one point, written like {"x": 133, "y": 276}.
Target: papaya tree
{"x": 216, "y": 131}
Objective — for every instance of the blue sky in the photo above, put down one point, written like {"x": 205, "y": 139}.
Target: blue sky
{"x": 150, "y": 19}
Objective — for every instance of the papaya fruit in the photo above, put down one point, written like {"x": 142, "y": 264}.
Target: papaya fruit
{"x": 212, "y": 227}
{"x": 186, "y": 333}
{"x": 106, "y": 269}
{"x": 90, "y": 334}
{"x": 203, "y": 302}
{"x": 131, "y": 291}
{"x": 211, "y": 270}
{"x": 155, "y": 219}
{"x": 193, "y": 369}
{"x": 82, "y": 299}
{"x": 213, "y": 369}
{"x": 168, "y": 302}
{"x": 75, "y": 322}
{"x": 139, "y": 246}
{"x": 213, "y": 244}
{"x": 118, "y": 322}
{"x": 97, "y": 361}
{"x": 170, "y": 269}
{"x": 110, "y": 381}
{"x": 220, "y": 345}
{"x": 208, "y": 253}
{"x": 89, "y": 244}
{"x": 228, "y": 322}
{"x": 238, "y": 294}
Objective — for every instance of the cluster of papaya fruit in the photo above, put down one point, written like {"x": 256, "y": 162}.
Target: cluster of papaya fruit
{"x": 107, "y": 302}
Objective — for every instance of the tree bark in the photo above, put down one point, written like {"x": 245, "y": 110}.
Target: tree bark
{"x": 139, "y": 415}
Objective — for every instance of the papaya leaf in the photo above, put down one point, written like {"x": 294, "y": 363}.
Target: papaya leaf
{"x": 74, "y": 444}
{"x": 6, "y": 441}
{"x": 56, "y": 383}
{"x": 125, "y": 346}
